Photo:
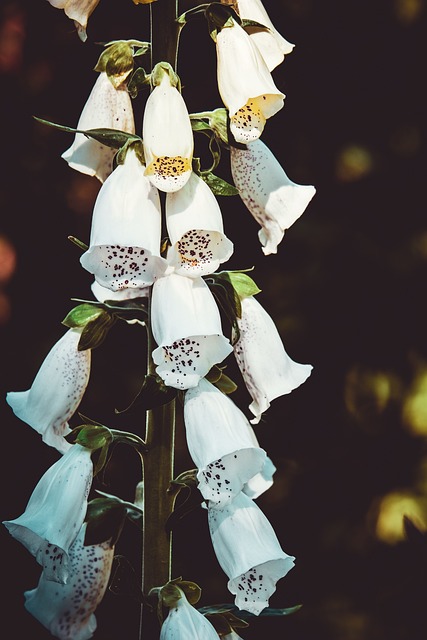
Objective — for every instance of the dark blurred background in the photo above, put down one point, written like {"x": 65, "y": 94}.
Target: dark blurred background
{"x": 346, "y": 290}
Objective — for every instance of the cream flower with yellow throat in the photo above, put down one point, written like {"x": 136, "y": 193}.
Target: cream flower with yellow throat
{"x": 167, "y": 132}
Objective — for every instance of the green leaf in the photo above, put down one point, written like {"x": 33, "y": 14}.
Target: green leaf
{"x": 245, "y": 615}
{"x": 153, "y": 393}
{"x": 218, "y": 186}
{"x": 105, "y": 519}
{"x": 252, "y": 23}
{"x": 138, "y": 80}
{"x": 243, "y": 284}
{"x": 81, "y": 245}
{"x": 91, "y": 436}
{"x": 81, "y": 315}
{"x": 114, "y": 138}
{"x": 95, "y": 331}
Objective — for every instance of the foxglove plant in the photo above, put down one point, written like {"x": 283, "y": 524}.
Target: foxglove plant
{"x": 157, "y": 242}
{"x": 248, "y": 551}
{"x": 266, "y": 368}
{"x": 107, "y": 107}
{"x": 270, "y": 196}
{"x": 195, "y": 229}
{"x": 55, "y": 512}
{"x": 225, "y": 453}
{"x": 186, "y": 325}
{"x": 124, "y": 250}
{"x": 56, "y": 391}
{"x": 68, "y": 610}
{"x": 245, "y": 83}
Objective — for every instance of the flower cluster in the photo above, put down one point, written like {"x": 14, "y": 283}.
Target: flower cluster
{"x": 128, "y": 259}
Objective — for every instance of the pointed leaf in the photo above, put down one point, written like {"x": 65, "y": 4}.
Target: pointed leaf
{"x": 95, "y": 332}
{"x": 81, "y": 315}
{"x": 218, "y": 186}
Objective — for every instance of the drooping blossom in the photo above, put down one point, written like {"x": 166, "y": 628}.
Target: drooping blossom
{"x": 56, "y": 391}
{"x": 248, "y": 551}
{"x": 245, "y": 84}
{"x": 271, "y": 197}
{"x": 271, "y": 44}
{"x": 67, "y": 610}
{"x": 186, "y": 326}
{"x": 220, "y": 443}
{"x": 167, "y": 133}
{"x": 79, "y": 11}
{"x": 55, "y": 512}
{"x": 124, "y": 250}
{"x": 184, "y": 622}
{"x": 196, "y": 231}
{"x": 266, "y": 368}
{"x": 107, "y": 107}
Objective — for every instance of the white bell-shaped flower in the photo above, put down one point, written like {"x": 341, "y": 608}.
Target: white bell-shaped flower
{"x": 245, "y": 83}
{"x": 107, "y": 107}
{"x": 225, "y": 453}
{"x": 56, "y": 391}
{"x": 271, "y": 197}
{"x": 272, "y": 46}
{"x": 186, "y": 326}
{"x": 124, "y": 250}
{"x": 196, "y": 231}
{"x": 55, "y": 512}
{"x": 266, "y": 368}
{"x": 184, "y": 622}
{"x": 79, "y": 11}
{"x": 168, "y": 137}
{"x": 248, "y": 551}
{"x": 67, "y": 610}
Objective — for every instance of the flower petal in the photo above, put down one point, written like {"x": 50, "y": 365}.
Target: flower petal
{"x": 245, "y": 84}
{"x": 272, "y": 46}
{"x": 106, "y": 107}
{"x": 168, "y": 138}
{"x": 196, "y": 230}
{"x": 79, "y": 11}
{"x": 186, "y": 326}
{"x": 55, "y": 512}
{"x": 266, "y": 368}
{"x": 271, "y": 197}
{"x": 124, "y": 251}
{"x": 184, "y": 622}
{"x": 225, "y": 453}
{"x": 56, "y": 391}
{"x": 67, "y": 610}
{"x": 248, "y": 551}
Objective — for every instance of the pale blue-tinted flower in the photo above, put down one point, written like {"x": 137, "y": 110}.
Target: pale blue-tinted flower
{"x": 184, "y": 622}
{"x": 56, "y": 391}
{"x": 67, "y": 610}
{"x": 55, "y": 512}
{"x": 245, "y": 84}
{"x": 196, "y": 231}
{"x": 271, "y": 197}
{"x": 106, "y": 107}
{"x": 248, "y": 551}
{"x": 186, "y": 326}
{"x": 168, "y": 137}
{"x": 266, "y": 368}
{"x": 124, "y": 250}
{"x": 272, "y": 46}
{"x": 220, "y": 443}
{"x": 79, "y": 11}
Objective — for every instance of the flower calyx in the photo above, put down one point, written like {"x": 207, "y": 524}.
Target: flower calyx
{"x": 158, "y": 73}
{"x": 172, "y": 591}
{"x": 220, "y": 16}
{"x": 117, "y": 59}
